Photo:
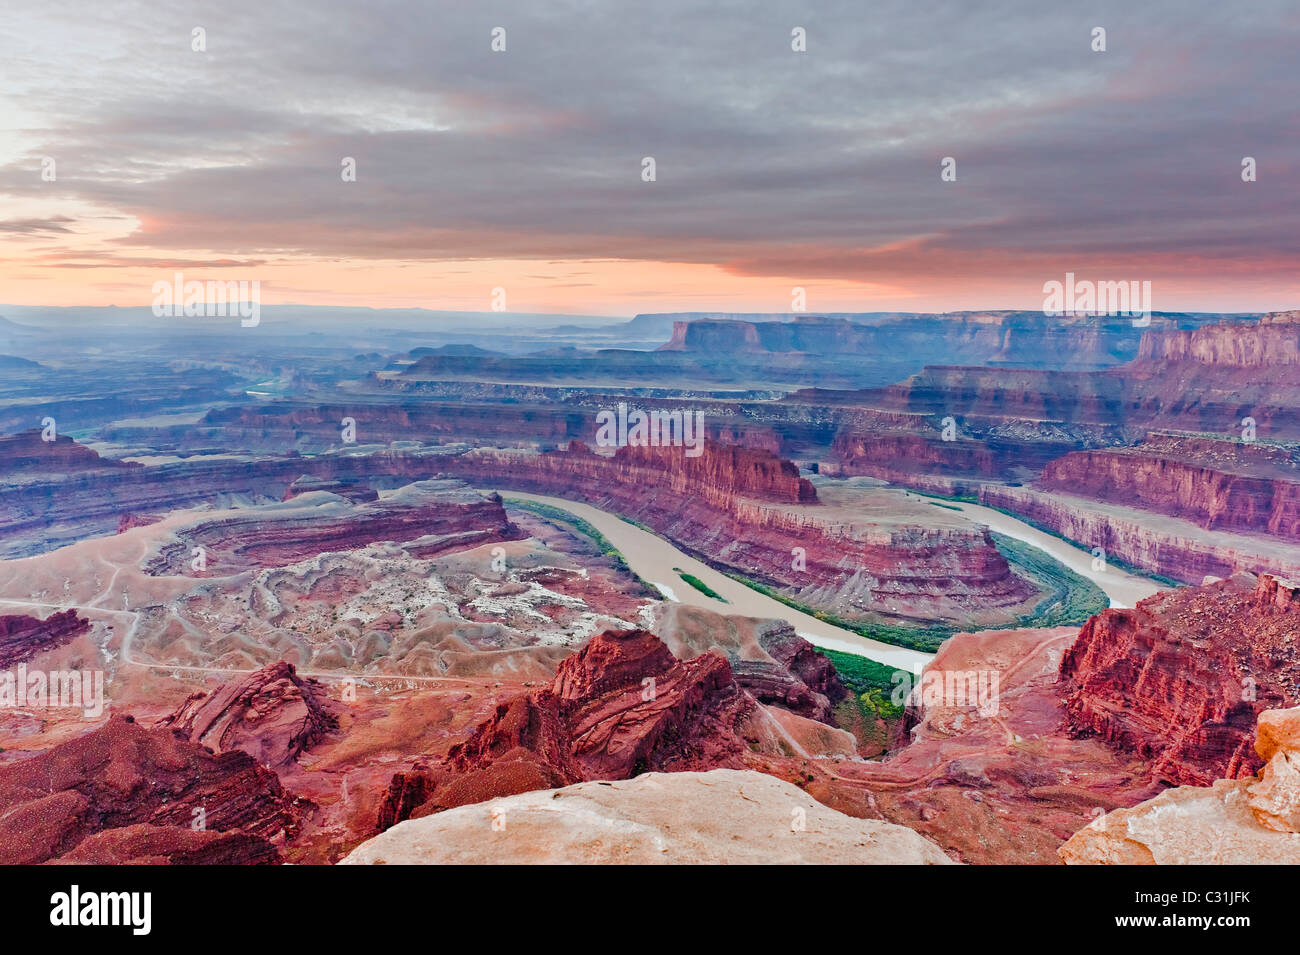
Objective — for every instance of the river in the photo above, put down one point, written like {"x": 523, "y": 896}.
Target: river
{"x": 1120, "y": 587}
{"x": 652, "y": 558}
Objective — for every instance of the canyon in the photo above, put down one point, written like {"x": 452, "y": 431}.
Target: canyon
{"x": 369, "y": 646}
{"x": 745, "y": 508}
{"x": 1018, "y": 432}
{"x": 761, "y": 519}
{"x": 1102, "y": 457}
{"x": 622, "y": 445}
{"x": 1006, "y": 783}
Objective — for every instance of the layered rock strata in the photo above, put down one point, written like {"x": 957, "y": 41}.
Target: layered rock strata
{"x": 434, "y": 515}
{"x": 621, "y": 706}
{"x": 1182, "y": 678}
{"x": 271, "y": 714}
{"x": 27, "y": 453}
{"x": 746, "y": 510}
{"x": 1005, "y": 424}
{"x": 1217, "y": 485}
{"x": 1159, "y": 543}
{"x": 769, "y": 660}
{"x": 122, "y": 776}
{"x": 22, "y": 637}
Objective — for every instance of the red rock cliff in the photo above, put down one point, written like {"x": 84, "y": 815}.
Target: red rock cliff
{"x": 145, "y": 784}
{"x": 1216, "y": 484}
{"x": 1273, "y": 341}
{"x": 1181, "y": 678}
{"x": 718, "y": 336}
{"x": 748, "y": 472}
{"x": 442, "y": 514}
{"x": 27, "y": 452}
{"x": 22, "y": 637}
{"x": 740, "y": 508}
{"x": 621, "y": 706}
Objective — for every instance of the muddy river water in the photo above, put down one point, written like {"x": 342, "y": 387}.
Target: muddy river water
{"x": 654, "y": 559}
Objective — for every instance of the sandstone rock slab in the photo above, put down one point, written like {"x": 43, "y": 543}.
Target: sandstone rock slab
{"x": 719, "y": 817}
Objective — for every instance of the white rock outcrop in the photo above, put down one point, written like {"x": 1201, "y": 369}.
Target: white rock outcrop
{"x": 722, "y": 816}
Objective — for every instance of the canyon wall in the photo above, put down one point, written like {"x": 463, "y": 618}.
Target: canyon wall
{"x": 927, "y": 462}
{"x": 22, "y": 637}
{"x": 1181, "y": 678}
{"x": 1181, "y": 552}
{"x": 1029, "y": 339}
{"x": 1225, "y": 379}
{"x": 316, "y": 426}
{"x": 746, "y": 510}
{"x": 53, "y": 508}
{"x": 435, "y": 515}
{"x": 1273, "y": 341}
{"x": 27, "y": 454}
{"x": 1213, "y": 484}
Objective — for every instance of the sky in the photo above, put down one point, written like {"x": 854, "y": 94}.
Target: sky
{"x": 127, "y": 155}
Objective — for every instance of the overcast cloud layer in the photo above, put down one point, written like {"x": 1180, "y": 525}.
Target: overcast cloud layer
{"x": 821, "y": 165}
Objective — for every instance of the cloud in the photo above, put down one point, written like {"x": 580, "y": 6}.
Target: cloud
{"x": 769, "y": 162}
{"x": 97, "y": 259}
{"x": 51, "y": 225}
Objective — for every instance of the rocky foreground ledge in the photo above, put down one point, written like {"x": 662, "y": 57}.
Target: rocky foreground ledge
{"x": 720, "y": 817}
{"x": 1232, "y": 822}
